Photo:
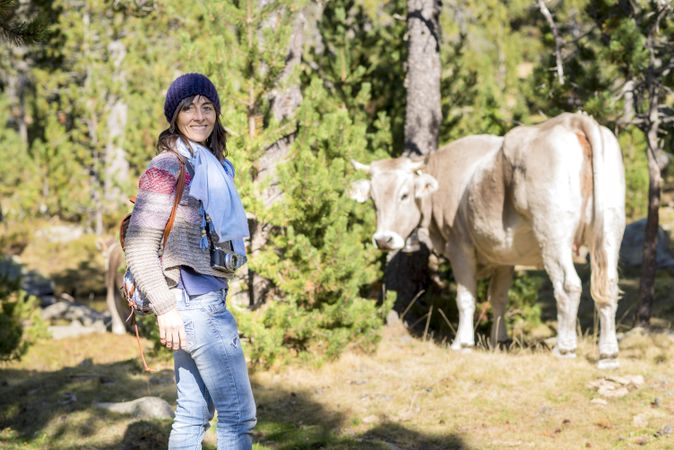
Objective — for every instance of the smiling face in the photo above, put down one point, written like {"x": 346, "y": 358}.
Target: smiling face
{"x": 197, "y": 119}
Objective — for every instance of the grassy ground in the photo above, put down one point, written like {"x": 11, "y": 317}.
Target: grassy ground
{"x": 411, "y": 394}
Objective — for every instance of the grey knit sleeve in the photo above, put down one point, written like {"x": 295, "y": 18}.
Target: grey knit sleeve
{"x": 156, "y": 193}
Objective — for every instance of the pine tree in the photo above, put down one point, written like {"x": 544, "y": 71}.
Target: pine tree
{"x": 622, "y": 66}
{"x": 16, "y": 28}
{"x": 320, "y": 257}
{"x": 360, "y": 55}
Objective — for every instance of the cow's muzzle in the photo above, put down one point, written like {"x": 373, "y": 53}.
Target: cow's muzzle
{"x": 388, "y": 240}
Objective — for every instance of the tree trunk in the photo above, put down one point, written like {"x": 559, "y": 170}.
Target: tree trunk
{"x": 116, "y": 166}
{"x": 648, "y": 267}
{"x": 17, "y": 84}
{"x": 284, "y": 103}
{"x": 423, "y": 115}
{"x": 407, "y": 273}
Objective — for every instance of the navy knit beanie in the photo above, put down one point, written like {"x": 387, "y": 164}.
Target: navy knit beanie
{"x": 186, "y": 86}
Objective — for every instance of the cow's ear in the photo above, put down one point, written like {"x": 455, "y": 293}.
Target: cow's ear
{"x": 360, "y": 190}
{"x": 424, "y": 184}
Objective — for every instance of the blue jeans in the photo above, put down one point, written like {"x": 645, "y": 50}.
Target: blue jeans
{"x": 211, "y": 375}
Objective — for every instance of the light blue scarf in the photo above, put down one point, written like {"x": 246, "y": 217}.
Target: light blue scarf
{"x": 214, "y": 187}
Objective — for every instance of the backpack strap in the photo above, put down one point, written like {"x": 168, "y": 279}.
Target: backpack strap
{"x": 180, "y": 186}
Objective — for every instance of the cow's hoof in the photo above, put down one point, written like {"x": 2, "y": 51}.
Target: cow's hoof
{"x": 463, "y": 348}
{"x": 608, "y": 363}
{"x": 563, "y": 353}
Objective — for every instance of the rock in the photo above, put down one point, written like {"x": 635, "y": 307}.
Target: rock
{"x": 640, "y": 420}
{"x": 68, "y": 398}
{"x": 390, "y": 446}
{"x": 615, "y": 386}
{"x": 75, "y": 329}
{"x": 36, "y": 284}
{"x": 599, "y": 401}
{"x": 63, "y": 310}
{"x": 46, "y": 300}
{"x": 613, "y": 392}
{"x": 631, "y": 381}
{"x": 632, "y": 246}
{"x": 10, "y": 270}
{"x": 60, "y": 233}
{"x": 143, "y": 408}
{"x": 664, "y": 431}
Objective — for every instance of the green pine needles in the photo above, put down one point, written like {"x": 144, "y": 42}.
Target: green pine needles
{"x": 319, "y": 257}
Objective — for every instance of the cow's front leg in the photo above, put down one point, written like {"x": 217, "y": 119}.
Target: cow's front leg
{"x": 465, "y": 302}
{"x": 464, "y": 268}
{"x": 498, "y": 297}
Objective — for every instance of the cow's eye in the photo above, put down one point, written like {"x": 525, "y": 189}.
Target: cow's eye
{"x": 404, "y": 196}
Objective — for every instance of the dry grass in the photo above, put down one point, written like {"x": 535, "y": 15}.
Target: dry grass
{"x": 413, "y": 391}
{"x": 411, "y": 394}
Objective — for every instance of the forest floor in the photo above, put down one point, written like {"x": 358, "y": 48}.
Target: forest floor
{"x": 410, "y": 394}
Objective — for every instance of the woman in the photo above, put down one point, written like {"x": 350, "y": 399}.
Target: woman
{"x": 186, "y": 292}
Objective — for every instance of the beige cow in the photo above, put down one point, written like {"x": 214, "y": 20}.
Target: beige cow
{"x": 532, "y": 197}
{"x": 114, "y": 259}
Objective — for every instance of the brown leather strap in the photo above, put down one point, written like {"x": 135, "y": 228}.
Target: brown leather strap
{"x": 140, "y": 346}
{"x": 180, "y": 186}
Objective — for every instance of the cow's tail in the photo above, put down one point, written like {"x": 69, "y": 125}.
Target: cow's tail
{"x": 607, "y": 209}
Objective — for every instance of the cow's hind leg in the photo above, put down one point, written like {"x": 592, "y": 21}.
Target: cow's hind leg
{"x": 464, "y": 268}
{"x": 567, "y": 286}
{"x": 498, "y": 297}
{"x": 608, "y": 343}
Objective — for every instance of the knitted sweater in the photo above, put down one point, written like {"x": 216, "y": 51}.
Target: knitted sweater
{"x": 154, "y": 270}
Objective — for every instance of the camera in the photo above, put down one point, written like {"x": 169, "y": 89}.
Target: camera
{"x": 225, "y": 259}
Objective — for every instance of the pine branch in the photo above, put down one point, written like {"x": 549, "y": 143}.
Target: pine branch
{"x": 559, "y": 43}
{"x": 18, "y": 32}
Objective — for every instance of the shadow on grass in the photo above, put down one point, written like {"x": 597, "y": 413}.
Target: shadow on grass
{"x": 81, "y": 282}
{"x": 144, "y": 435}
{"x": 294, "y": 420}
{"x": 57, "y": 410}
{"x": 58, "y": 407}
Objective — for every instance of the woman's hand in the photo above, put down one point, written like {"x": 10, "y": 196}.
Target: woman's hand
{"x": 172, "y": 330}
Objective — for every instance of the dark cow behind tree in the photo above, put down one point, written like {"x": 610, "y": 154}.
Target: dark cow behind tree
{"x": 532, "y": 197}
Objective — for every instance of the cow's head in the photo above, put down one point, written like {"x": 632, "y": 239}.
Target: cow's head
{"x": 397, "y": 187}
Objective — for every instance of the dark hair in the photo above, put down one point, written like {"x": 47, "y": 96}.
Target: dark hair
{"x": 216, "y": 142}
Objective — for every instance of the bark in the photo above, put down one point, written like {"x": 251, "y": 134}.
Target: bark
{"x": 17, "y": 84}
{"x": 657, "y": 160}
{"x": 407, "y": 273}
{"x": 116, "y": 165}
{"x": 96, "y": 182}
{"x": 284, "y": 103}
{"x": 648, "y": 268}
{"x": 423, "y": 115}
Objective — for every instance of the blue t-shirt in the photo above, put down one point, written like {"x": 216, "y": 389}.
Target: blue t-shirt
{"x": 195, "y": 283}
